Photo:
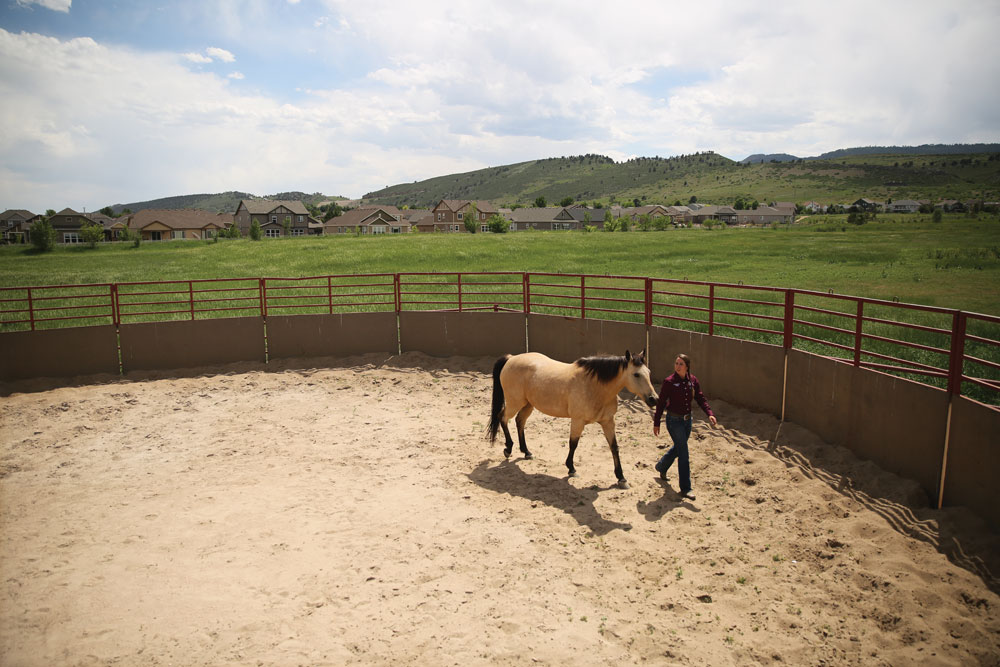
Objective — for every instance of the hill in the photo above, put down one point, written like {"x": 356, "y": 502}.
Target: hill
{"x": 713, "y": 178}
{"x": 223, "y": 202}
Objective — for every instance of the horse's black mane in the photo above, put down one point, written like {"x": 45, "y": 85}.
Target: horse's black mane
{"x": 604, "y": 369}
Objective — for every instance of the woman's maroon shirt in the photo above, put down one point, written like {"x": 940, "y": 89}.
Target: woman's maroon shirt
{"x": 675, "y": 395}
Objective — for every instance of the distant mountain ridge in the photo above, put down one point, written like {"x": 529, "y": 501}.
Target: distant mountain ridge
{"x": 930, "y": 171}
{"x": 223, "y": 202}
{"x": 923, "y": 149}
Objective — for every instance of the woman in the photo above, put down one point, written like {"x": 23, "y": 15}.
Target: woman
{"x": 676, "y": 395}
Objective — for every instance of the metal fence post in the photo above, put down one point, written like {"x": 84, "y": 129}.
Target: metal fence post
{"x": 858, "y": 330}
{"x": 31, "y": 310}
{"x": 789, "y": 338}
{"x": 956, "y": 359}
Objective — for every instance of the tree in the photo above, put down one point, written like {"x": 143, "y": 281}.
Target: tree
{"x": 498, "y": 224}
{"x": 693, "y": 200}
{"x": 540, "y": 202}
{"x": 471, "y": 219}
{"x": 610, "y": 224}
{"x": 108, "y": 211}
{"x": 566, "y": 201}
{"x": 43, "y": 236}
{"x": 936, "y": 216}
{"x": 255, "y": 233}
{"x": 92, "y": 234}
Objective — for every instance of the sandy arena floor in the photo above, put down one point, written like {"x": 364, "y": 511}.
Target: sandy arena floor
{"x": 357, "y": 515}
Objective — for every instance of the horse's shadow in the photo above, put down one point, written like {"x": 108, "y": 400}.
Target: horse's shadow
{"x": 507, "y": 477}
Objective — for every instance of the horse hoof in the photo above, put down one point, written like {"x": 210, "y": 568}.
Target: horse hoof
{"x": 572, "y": 473}
{"x": 528, "y": 455}
{"x": 506, "y": 453}
{"x": 622, "y": 484}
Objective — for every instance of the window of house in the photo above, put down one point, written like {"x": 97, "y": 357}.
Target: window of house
{"x": 71, "y": 237}
{"x": 484, "y": 228}
{"x": 482, "y": 216}
{"x": 461, "y": 215}
{"x": 454, "y": 228}
{"x": 298, "y": 232}
{"x": 378, "y": 229}
{"x": 177, "y": 234}
{"x": 300, "y": 218}
{"x": 274, "y": 219}
{"x": 155, "y": 236}
{"x": 272, "y": 233}
{"x": 396, "y": 230}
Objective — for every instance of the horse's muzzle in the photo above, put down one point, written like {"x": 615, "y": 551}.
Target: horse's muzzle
{"x": 651, "y": 401}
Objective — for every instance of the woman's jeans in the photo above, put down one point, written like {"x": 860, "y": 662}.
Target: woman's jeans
{"x": 679, "y": 430}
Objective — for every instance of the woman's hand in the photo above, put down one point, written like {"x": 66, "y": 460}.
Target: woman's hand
{"x": 656, "y": 431}
{"x": 712, "y": 419}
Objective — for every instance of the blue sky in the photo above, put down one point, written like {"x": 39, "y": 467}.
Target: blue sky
{"x": 116, "y": 101}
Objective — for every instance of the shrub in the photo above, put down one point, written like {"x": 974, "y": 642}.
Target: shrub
{"x": 255, "y": 233}
{"x": 43, "y": 236}
{"x": 92, "y": 234}
{"x": 498, "y": 225}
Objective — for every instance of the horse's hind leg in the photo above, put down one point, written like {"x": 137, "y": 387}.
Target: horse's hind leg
{"x": 508, "y": 441}
{"x": 575, "y": 431}
{"x": 609, "y": 433}
{"x": 522, "y": 416}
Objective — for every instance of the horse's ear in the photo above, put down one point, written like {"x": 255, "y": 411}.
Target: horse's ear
{"x": 628, "y": 356}
{"x": 641, "y": 357}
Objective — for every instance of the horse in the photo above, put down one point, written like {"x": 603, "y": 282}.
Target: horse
{"x": 585, "y": 391}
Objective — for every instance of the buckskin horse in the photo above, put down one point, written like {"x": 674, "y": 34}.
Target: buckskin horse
{"x": 585, "y": 391}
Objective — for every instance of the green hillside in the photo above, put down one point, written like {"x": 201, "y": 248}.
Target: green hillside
{"x": 712, "y": 178}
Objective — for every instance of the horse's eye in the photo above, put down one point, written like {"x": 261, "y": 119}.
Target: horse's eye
{"x": 636, "y": 375}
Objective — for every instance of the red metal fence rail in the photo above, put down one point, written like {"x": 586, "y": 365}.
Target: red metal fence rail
{"x": 952, "y": 349}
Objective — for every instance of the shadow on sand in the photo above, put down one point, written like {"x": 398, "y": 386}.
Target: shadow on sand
{"x": 972, "y": 547}
{"x": 557, "y": 492}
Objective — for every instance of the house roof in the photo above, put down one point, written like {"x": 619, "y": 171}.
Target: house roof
{"x": 67, "y": 211}
{"x": 265, "y": 206}
{"x": 532, "y": 214}
{"x": 17, "y": 213}
{"x": 367, "y": 216}
{"x": 183, "y": 218}
{"x": 458, "y": 204}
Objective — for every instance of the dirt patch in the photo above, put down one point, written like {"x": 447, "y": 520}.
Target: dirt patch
{"x": 358, "y": 515}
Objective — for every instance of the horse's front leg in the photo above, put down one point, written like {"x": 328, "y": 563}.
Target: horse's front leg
{"x": 609, "y": 433}
{"x": 575, "y": 431}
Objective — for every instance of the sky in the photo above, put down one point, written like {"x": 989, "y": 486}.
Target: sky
{"x": 118, "y": 101}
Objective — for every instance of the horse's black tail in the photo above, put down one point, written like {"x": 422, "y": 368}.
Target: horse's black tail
{"x": 498, "y": 400}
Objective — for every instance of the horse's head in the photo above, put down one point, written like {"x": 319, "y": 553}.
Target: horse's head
{"x": 637, "y": 378}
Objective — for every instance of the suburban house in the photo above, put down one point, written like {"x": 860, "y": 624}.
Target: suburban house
{"x": 376, "y": 220}
{"x": 275, "y": 217}
{"x": 67, "y": 224}
{"x": 549, "y": 218}
{"x": 814, "y": 207}
{"x": 169, "y": 224}
{"x": 904, "y": 206}
{"x": 15, "y": 223}
{"x": 867, "y": 205}
{"x": 449, "y": 215}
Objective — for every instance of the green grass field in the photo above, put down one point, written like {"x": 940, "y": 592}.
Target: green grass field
{"x": 953, "y": 264}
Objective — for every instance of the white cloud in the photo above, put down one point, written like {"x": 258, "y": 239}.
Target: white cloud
{"x": 236, "y": 75}
{"x": 220, "y": 54}
{"x": 54, "y": 5}
{"x": 197, "y": 58}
